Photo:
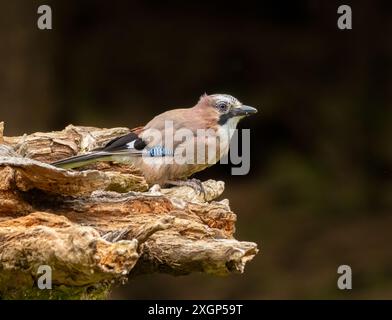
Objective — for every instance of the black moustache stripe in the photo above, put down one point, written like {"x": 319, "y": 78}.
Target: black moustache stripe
{"x": 224, "y": 117}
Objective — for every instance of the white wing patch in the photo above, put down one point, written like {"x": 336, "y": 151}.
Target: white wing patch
{"x": 131, "y": 145}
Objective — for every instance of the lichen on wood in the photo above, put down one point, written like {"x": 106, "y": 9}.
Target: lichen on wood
{"x": 99, "y": 225}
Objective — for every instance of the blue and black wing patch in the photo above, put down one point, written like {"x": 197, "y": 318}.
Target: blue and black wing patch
{"x": 159, "y": 151}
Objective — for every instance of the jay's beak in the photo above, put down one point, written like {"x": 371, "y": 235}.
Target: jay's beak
{"x": 244, "y": 111}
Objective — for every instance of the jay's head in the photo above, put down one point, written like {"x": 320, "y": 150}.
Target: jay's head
{"x": 226, "y": 109}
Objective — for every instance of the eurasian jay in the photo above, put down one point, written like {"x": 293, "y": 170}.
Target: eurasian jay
{"x": 155, "y": 148}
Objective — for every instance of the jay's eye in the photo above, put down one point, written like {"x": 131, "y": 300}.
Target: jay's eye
{"x": 222, "y": 107}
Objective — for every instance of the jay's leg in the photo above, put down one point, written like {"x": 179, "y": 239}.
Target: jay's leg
{"x": 196, "y": 184}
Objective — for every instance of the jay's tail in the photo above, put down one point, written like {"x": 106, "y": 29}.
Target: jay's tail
{"x": 82, "y": 160}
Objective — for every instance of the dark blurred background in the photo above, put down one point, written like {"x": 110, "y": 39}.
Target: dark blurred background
{"x": 319, "y": 193}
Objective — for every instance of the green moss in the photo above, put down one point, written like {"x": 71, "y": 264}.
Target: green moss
{"x": 98, "y": 291}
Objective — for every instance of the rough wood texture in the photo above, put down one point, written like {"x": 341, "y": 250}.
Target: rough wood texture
{"x": 96, "y": 226}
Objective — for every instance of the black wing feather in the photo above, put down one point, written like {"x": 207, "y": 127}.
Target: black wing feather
{"x": 120, "y": 143}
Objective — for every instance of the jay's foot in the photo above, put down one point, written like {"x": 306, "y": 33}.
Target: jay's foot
{"x": 195, "y": 184}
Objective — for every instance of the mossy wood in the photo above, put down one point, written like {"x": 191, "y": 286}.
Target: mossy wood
{"x": 97, "y": 226}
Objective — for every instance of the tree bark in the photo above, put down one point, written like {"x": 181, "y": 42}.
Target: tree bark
{"x": 97, "y": 226}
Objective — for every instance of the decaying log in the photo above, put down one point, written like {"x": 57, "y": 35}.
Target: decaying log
{"x": 97, "y": 226}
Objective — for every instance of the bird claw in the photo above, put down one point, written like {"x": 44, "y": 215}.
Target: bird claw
{"x": 195, "y": 184}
